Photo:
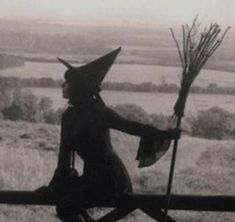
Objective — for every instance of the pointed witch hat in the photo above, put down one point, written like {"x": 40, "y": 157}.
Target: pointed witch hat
{"x": 93, "y": 72}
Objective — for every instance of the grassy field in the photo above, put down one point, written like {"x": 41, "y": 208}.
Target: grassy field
{"x": 29, "y": 151}
{"x": 28, "y": 155}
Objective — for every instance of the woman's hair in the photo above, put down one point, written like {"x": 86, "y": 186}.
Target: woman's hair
{"x": 81, "y": 89}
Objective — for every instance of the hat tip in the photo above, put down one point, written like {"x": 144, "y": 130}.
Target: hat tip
{"x": 65, "y": 63}
{"x": 119, "y": 48}
{"x": 116, "y": 51}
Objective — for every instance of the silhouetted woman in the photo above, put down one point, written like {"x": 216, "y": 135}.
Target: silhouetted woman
{"x": 85, "y": 130}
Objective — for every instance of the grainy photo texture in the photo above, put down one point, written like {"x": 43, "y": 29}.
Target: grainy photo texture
{"x": 114, "y": 110}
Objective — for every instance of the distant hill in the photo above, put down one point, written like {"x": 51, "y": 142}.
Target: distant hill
{"x": 10, "y": 61}
{"x": 79, "y": 43}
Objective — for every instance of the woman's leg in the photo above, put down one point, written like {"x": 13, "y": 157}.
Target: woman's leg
{"x": 67, "y": 211}
{"x": 70, "y": 213}
{"x": 71, "y": 208}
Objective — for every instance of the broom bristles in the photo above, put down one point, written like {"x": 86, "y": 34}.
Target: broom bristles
{"x": 195, "y": 53}
{"x": 193, "y": 57}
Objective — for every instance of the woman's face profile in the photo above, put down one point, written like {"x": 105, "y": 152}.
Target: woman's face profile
{"x": 65, "y": 90}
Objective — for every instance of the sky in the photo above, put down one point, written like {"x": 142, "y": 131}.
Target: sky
{"x": 120, "y": 12}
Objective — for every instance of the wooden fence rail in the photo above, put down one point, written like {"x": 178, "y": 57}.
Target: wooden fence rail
{"x": 178, "y": 202}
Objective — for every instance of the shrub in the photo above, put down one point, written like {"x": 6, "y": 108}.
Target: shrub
{"x": 133, "y": 112}
{"x": 53, "y": 116}
{"x": 214, "y": 123}
{"x": 5, "y": 93}
{"x": 17, "y": 104}
{"x": 23, "y": 107}
{"x": 159, "y": 120}
{"x": 137, "y": 113}
{"x": 44, "y": 106}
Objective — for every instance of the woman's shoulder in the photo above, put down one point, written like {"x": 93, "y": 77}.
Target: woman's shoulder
{"x": 102, "y": 109}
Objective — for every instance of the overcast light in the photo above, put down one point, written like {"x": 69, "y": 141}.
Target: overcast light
{"x": 121, "y": 12}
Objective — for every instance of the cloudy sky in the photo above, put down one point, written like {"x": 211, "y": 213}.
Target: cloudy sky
{"x": 119, "y": 12}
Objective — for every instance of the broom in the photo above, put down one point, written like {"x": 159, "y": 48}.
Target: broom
{"x": 194, "y": 53}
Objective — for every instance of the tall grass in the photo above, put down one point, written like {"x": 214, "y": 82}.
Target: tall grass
{"x": 28, "y": 155}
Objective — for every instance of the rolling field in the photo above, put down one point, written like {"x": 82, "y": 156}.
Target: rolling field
{"x": 133, "y": 73}
{"x": 150, "y": 102}
{"x": 137, "y": 74}
{"x": 29, "y": 153}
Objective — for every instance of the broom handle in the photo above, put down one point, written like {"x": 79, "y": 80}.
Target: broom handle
{"x": 171, "y": 173}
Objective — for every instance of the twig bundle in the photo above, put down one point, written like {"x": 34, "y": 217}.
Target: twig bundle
{"x": 195, "y": 52}
{"x": 193, "y": 56}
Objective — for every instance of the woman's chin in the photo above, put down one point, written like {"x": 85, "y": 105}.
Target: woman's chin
{"x": 64, "y": 96}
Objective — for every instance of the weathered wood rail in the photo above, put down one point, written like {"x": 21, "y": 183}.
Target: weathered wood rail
{"x": 150, "y": 204}
{"x": 178, "y": 202}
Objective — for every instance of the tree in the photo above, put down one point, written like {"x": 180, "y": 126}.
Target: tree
{"x": 23, "y": 107}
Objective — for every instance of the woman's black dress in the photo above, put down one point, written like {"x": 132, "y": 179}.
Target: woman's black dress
{"x": 86, "y": 130}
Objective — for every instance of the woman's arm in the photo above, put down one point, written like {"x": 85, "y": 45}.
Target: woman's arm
{"x": 115, "y": 121}
{"x": 154, "y": 143}
{"x": 64, "y": 158}
{"x": 63, "y": 165}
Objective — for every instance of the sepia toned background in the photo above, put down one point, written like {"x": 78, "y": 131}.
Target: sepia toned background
{"x": 143, "y": 84}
